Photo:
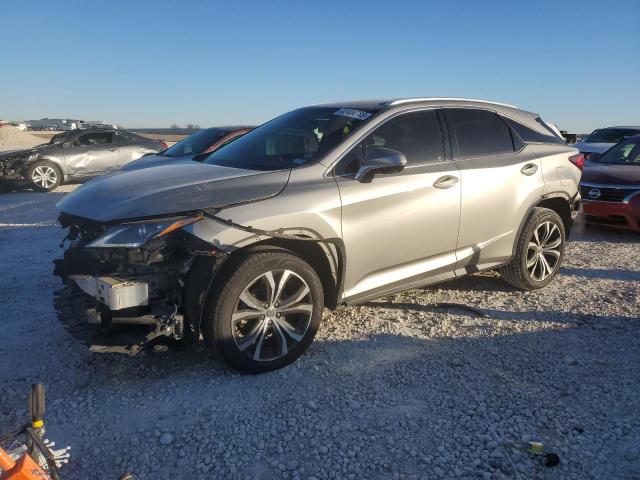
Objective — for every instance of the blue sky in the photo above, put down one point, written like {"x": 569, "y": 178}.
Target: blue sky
{"x": 154, "y": 63}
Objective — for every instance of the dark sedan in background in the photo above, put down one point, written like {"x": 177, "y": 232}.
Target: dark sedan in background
{"x": 602, "y": 139}
{"x": 610, "y": 186}
{"x": 194, "y": 147}
{"x": 75, "y": 155}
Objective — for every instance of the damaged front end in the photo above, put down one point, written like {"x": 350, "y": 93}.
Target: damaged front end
{"x": 132, "y": 275}
{"x": 13, "y": 165}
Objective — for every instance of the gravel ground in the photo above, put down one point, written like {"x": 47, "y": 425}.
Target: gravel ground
{"x": 395, "y": 388}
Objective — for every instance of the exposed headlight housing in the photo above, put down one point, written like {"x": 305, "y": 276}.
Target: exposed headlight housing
{"x": 134, "y": 235}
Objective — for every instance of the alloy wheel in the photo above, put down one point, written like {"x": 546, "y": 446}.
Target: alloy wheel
{"x": 544, "y": 250}
{"x": 44, "y": 176}
{"x": 272, "y": 315}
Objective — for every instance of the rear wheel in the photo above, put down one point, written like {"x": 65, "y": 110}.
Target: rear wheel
{"x": 266, "y": 313}
{"x": 44, "y": 176}
{"x": 539, "y": 251}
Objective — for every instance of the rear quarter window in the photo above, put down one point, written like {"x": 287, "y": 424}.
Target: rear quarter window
{"x": 529, "y": 135}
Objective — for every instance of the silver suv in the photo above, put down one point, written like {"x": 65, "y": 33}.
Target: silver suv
{"x": 323, "y": 206}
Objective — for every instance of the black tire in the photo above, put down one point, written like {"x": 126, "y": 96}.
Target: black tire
{"x": 224, "y": 298}
{"x": 54, "y": 176}
{"x": 533, "y": 277}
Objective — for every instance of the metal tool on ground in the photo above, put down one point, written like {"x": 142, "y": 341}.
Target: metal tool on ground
{"x": 537, "y": 449}
{"x": 36, "y": 461}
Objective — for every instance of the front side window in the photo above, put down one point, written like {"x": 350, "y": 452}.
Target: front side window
{"x": 418, "y": 135}
{"x": 297, "y": 138}
{"x": 95, "y": 138}
{"x": 610, "y": 135}
{"x": 626, "y": 153}
{"x": 479, "y": 133}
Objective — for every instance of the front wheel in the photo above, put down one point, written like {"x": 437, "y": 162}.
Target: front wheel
{"x": 265, "y": 314}
{"x": 44, "y": 176}
{"x": 539, "y": 251}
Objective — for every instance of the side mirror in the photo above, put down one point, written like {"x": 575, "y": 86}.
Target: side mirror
{"x": 66, "y": 144}
{"x": 380, "y": 160}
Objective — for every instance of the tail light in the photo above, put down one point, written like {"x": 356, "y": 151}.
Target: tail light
{"x": 164, "y": 144}
{"x": 577, "y": 160}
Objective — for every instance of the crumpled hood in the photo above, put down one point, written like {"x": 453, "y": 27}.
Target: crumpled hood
{"x": 593, "y": 147}
{"x": 168, "y": 189}
{"x": 611, "y": 174}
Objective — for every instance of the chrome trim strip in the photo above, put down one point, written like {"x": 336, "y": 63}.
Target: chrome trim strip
{"x": 619, "y": 187}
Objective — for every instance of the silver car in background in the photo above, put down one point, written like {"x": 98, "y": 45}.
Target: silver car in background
{"x": 324, "y": 206}
{"x": 74, "y": 156}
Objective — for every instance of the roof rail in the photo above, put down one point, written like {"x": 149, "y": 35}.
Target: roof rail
{"x": 400, "y": 101}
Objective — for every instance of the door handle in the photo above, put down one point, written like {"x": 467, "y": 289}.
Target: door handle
{"x": 529, "y": 169}
{"x": 112, "y": 149}
{"x": 447, "y": 181}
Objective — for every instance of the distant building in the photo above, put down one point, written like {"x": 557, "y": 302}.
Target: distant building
{"x": 53, "y": 124}
{"x": 63, "y": 124}
{"x": 97, "y": 124}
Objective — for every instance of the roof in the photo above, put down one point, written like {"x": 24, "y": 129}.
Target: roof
{"x": 377, "y": 104}
{"x": 400, "y": 101}
{"x": 384, "y": 102}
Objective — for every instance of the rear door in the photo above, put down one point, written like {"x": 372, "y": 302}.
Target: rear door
{"x": 91, "y": 153}
{"x": 501, "y": 177}
{"x": 400, "y": 229}
{"x": 130, "y": 148}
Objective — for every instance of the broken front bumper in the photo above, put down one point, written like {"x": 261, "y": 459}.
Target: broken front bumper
{"x": 114, "y": 293}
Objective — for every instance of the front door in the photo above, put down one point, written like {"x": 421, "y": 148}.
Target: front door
{"x": 91, "y": 153}
{"x": 400, "y": 229}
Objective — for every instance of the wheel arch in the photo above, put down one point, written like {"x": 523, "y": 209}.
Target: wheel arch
{"x": 46, "y": 158}
{"x": 206, "y": 271}
{"x": 559, "y": 202}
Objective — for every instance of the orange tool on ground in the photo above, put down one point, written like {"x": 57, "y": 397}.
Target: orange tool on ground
{"x": 25, "y": 467}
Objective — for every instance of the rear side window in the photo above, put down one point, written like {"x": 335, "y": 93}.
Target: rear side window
{"x": 480, "y": 133}
{"x": 530, "y": 135}
{"x": 123, "y": 137}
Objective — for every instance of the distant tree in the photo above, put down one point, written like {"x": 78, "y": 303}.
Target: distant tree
{"x": 190, "y": 126}
{"x": 175, "y": 125}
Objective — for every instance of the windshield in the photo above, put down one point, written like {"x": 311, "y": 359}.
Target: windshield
{"x": 610, "y": 135}
{"x": 626, "y": 153}
{"x": 196, "y": 143}
{"x": 294, "y": 139}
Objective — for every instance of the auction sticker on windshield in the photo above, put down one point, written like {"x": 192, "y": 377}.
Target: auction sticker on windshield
{"x": 352, "y": 113}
